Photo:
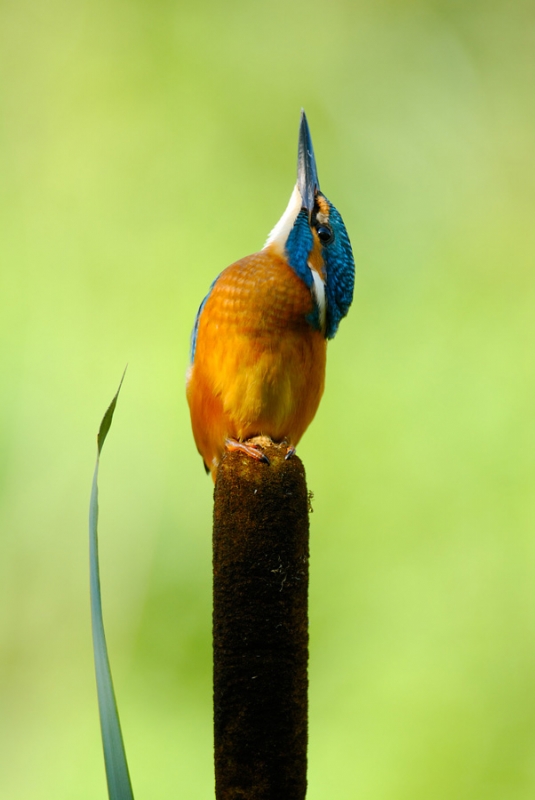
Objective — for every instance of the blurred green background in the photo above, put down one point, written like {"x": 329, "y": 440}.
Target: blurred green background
{"x": 143, "y": 147}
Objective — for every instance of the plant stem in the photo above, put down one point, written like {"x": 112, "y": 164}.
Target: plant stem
{"x": 260, "y": 627}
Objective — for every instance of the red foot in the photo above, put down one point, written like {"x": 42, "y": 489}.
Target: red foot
{"x": 250, "y": 450}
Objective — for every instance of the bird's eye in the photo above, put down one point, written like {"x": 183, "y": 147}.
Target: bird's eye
{"x": 325, "y": 234}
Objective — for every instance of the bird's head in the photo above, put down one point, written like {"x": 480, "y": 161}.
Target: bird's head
{"x": 311, "y": 235}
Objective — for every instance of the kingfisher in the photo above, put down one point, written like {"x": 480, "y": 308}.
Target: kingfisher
{"x": 259, "y": 342}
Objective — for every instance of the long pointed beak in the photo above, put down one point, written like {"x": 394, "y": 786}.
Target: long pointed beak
{"x": 307, "y": 175}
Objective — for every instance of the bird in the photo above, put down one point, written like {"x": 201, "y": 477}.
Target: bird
{"x": 259, "y": 341}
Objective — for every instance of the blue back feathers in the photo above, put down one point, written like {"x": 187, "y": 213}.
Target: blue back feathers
{"x": 193, "y": 341}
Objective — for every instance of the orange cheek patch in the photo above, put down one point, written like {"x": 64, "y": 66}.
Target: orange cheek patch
{"x": 315, "y": 258}
{"x": 323, "y": 205}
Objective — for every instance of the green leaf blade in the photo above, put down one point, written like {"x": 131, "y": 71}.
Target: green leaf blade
{"x": 105, "y": 425}
{"x": 117, "y": 774}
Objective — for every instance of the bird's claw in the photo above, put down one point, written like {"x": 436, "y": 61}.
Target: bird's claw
{"x": 289, "y": 453}
{"x": 251, "y": 450}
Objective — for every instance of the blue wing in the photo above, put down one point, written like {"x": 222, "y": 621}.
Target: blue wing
{"x": 193, "y": 342}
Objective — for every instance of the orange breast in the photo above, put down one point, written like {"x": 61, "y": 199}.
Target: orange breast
{"x": 259, "y": 366}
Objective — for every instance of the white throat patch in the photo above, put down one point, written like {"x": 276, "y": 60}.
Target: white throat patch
{"x": 319, "y": 292}
{"x": 281, "y": 231}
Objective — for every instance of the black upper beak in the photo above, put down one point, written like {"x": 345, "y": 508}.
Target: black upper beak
{"x": 307, "y": 176}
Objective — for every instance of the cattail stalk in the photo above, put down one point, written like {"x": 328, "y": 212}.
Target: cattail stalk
{"x": 260, "y": 627}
